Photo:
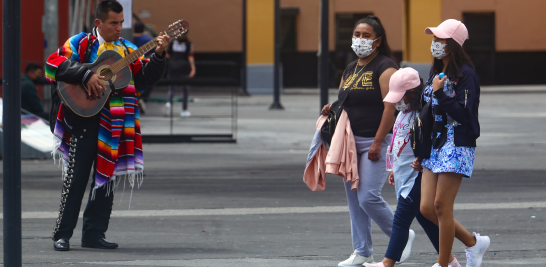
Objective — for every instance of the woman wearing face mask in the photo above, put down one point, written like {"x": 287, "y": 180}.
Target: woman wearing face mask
{"x": 455, "y": 101}
{"x": 371, "y": 122}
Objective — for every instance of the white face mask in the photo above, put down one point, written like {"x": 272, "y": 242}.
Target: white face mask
{"x": 402, "y": 106}
{"x": 363, "y": 47}
{"x": 438, "y": 50}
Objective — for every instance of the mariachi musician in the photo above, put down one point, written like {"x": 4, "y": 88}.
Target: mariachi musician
{"x": 109, "y": 143}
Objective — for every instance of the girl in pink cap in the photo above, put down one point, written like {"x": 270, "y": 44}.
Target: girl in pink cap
{"x": 455, "y": 101}
{"x": 405, "y": 89}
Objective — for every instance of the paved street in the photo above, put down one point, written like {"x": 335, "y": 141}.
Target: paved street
{"x": 245, "y": 204}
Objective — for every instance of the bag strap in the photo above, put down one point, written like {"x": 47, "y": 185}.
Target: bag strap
{"x": 430, "y": 78}
{"x": 344, "y": 93}
{"x": 124, "y": 45}
{"x": 88, "y": 50}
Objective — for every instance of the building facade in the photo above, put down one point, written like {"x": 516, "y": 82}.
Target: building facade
{"x": 507, "y": 42}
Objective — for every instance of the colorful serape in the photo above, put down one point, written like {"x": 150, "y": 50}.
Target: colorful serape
{"x": 119, "y": 142}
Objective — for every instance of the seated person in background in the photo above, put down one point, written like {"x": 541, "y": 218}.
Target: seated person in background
{"x": 29, "y": 94}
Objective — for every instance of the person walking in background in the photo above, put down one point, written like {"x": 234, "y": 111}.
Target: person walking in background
{"x": 139, "y": 39}
{"x": 30, "y": 101}
{"x": 371, "y": 122}
{"x": 405, "y": 90}
{"x": 455, "y": 102}
{"x": 181, "y": 64}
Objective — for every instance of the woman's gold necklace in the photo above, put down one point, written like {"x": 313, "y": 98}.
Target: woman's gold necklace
{"x": 350, "y": 80}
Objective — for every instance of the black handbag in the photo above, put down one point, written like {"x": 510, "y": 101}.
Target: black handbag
{"x": 421, "y": 132}
{"x": 329, "y": 127}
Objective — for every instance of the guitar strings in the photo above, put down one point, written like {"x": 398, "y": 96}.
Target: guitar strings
{"x": 118, "y": 66}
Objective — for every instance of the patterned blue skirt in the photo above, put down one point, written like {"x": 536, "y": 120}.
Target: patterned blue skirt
{"x": 451, "y": 158}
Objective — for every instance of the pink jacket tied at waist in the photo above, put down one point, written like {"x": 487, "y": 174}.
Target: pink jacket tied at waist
{"x": 341, "y": 159}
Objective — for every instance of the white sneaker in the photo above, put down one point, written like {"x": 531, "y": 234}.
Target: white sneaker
{"x": 407, "y": 250}
{"x": 167, "y": 110}
{"x": 454, "y": 263}
{"x": 185, "y": 114}
{"x": 356, "y": 260}
{"x": 474, "y": 255}
{"x": 379, "y": 264}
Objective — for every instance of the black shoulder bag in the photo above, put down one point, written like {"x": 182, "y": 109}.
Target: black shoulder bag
{"x": 328, "y": 128}
{"x": 421, "y": 131}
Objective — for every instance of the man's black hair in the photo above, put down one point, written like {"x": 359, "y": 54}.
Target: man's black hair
{"x": 139, "y": 27}
{"x": 106, "y": 6}
{"x": 32, "y": 67}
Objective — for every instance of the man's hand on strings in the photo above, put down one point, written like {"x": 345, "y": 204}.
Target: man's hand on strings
{"x": 95, "y": 87}
{"x": 163, "y": 42}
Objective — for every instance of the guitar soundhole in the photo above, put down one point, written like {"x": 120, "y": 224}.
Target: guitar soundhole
{"x": 107, "y": 74}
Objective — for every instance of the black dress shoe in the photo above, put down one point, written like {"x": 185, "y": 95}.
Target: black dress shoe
{"x": 61, "y": 245}
{"x": 100, "y": 243}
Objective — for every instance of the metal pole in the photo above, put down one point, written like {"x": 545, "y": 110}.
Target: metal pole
{"x": 50, "y": 28}
{"x": 11, "y": 67}
{"x": 244, "y": 89}
{"x": 324, "y": 54}
{"x": 276, "y": 81}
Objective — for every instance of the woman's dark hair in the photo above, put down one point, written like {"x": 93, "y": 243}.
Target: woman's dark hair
{"x": 458, "y": 58}
{"x": 106, "y": 6}
{"x": 415, "y": 97}
{"x": 379, "y": 30}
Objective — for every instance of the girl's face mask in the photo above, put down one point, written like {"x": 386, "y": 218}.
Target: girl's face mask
{"x": 363, "y": 47}
{"x": 402, "y": 106}
{"x": 438, "y": 50}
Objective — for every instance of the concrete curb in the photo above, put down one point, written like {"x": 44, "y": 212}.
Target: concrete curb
{"x": 486, "y": 89}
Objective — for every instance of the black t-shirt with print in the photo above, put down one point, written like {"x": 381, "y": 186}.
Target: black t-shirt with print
{"x": 364, "y": 104}
{"x": 179, "y": 53}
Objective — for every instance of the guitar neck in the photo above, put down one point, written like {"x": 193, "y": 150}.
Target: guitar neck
{"x": 130, "y": 58}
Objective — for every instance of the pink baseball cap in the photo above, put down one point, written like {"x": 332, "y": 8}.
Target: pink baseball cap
{"x": 450, "y": 28}
{"x": 401, "y": 81}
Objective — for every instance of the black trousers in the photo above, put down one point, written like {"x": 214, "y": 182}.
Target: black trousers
{"x": 83, "y": 153}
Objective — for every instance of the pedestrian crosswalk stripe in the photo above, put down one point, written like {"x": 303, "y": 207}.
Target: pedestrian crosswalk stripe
{"x": 272, "y": 210}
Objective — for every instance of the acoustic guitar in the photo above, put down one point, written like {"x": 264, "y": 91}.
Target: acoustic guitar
{"x": 117, "y": 75}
